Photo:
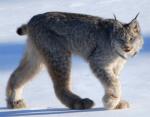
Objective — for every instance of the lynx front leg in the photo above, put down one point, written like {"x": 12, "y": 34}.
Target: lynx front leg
{"x": 59, "y": 68}
{"x": 112, "y": 97}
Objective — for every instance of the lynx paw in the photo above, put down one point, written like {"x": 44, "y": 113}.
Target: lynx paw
{"x": 122, "y": 105}
{"x": 110, "y": 101}
{"x": 83, "y": 104}
{"x": 16, "y": 104}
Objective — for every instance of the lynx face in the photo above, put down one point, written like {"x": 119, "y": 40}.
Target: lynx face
{"x": 127, "y": 39}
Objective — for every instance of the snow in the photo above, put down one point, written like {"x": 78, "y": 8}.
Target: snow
{"x": 39, "y": 93}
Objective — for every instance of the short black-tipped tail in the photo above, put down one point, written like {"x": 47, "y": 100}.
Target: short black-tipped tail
{"x": 22, "y": 30}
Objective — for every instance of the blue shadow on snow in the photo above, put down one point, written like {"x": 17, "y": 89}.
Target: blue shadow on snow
{"x": 42, "y": 112}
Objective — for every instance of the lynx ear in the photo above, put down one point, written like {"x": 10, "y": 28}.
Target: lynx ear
{"x": 134, "y": 24}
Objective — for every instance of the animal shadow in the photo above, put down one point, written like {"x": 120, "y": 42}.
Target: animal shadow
{"x": 48, "y": 111}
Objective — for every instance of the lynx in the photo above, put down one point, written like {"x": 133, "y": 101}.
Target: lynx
{"x": 52, "y": 38}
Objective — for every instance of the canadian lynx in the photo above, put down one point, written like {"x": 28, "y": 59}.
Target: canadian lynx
{"x": 53, "y": 37}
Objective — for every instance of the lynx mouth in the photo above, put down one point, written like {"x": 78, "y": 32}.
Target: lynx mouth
{"x": 127, "y": 49}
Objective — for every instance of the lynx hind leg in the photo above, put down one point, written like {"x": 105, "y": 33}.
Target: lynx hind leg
{"x": 58, "y": 65}
{"x": 28, "y": 66}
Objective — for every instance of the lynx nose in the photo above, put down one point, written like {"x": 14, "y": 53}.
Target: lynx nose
{"x": 127, "y": 49}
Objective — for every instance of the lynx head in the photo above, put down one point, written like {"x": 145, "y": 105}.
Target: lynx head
{"x": 126, "y": 38}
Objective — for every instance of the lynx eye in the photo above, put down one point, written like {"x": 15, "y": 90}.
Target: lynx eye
{"x": 131, "y": 39}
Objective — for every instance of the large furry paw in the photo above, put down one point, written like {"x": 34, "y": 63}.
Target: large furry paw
{"x": 122, "y": 105}
{"x": 110, "y": 101}
{"x": 82, "y": 104}
{"x": 16, "y": 104}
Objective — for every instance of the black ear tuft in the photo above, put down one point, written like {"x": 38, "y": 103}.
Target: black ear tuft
{"x": 135, "y": 19}
{"x": 115, "y": 17}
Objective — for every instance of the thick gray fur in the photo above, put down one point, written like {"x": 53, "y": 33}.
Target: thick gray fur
{"x": 54, "y": 36}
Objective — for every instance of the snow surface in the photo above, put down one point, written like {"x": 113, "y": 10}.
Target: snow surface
{"x": 39, "y": 93}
